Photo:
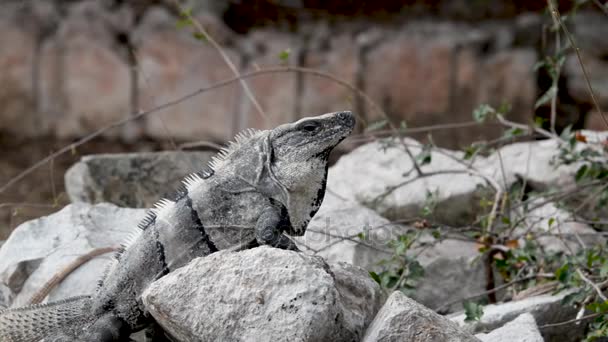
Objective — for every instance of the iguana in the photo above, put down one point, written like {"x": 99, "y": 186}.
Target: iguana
{"x": 265, "y": 184}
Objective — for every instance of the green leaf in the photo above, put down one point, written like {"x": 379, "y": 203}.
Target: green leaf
{"x": 284, "y": 55}
{"x": 513, "y": 132}
{"x": 483, "y": 112}
{"x": 186, "y": 22}
{"x": 563, "y": 273}
{"x": 471, "y": 150}
{"x": 472, "y": 311}
{"x": 551, "y": 222}
{"x": 504, "y": 109}
{"x": 376, "y": 277}
{"x": 581, "y": 172}
{"x": 424, "y": 157}
{"x": 547, "y": 96}
{"x": 199, "y": 36}
{"x": 376, "y": 125}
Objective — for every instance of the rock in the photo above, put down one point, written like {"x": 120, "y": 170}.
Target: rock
{"x": 336, "y": 232}
{"x": 555, "y": 229}
{"x": 131, "y": 179}
{"x": 597, "y": 70}
{"x": 333, "y": 233}
{"x": 452, "y": 270}
{"x": 546, "y": 309}
{"x": 85, "y": 82}
{"x": 281, "y": 295}
{"x": 533, "y": 162}
{"x": 402, "y": 319}
{"x": 173, "y": 63}
{"x": 521, "y": 329}
{"x": 379, "y": 166}
{"x": 38, "y": 249}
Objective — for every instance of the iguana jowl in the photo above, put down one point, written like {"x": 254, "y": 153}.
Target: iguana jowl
{"x": 261, "y": 186}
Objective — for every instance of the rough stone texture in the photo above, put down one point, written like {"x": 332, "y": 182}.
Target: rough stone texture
{"x": 277, "y": 294}
{"x": 597, "y": 70}
{"x": 563, "y": 235}
{"x": 85, "y": 83}
{"x": 38, "y": 249}
{"x": 402, "y": 319}
{"x": 450, "y": 272}
{"x": 172, "y": 63}
{"x": 131, "y": 180}
{"x": 332, "y": 233}
{"x": 375, "y": 168}
{"x": 521, "y": 329}
{"x": 545, "y": 309}
{"x": 532, "y": 161}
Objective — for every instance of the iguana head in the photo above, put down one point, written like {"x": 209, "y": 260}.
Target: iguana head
{"x": 311, "y": 137}
{"x": 299, "y": 160}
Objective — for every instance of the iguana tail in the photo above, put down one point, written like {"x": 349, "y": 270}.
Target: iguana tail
{"x": 35, "y": 322}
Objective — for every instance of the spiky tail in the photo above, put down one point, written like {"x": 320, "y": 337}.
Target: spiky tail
{"x": 35, "y": 322}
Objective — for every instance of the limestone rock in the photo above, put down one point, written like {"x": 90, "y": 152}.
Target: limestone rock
{"x": 132, "y": 179}
{"x": 281, "y": 295}
{"x": 38, "y": 249}
{"x": 521, "y": 329}
{"x": 379, "y": 166}
{"x": 402, "y": 319}
{"x": 546, "y": 309}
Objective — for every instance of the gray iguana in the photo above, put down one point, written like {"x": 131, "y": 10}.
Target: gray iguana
{"x": 262, "y": 186}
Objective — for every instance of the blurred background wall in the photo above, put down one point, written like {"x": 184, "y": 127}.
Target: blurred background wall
{"x": 68, "y": 67}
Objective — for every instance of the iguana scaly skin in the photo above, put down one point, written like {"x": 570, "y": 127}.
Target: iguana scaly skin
{"x": 261, "y": 186}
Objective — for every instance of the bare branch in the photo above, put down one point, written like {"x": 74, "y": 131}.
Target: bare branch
{"x": 555, "y": 13}
{"x": 183, "y": 98}
{"x": 224, "y": 56}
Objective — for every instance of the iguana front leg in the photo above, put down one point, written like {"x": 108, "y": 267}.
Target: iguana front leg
{"x": 270, "y": 226}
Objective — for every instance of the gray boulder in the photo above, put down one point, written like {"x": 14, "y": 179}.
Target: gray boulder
{"x": 402, "y": 319}
{"x": 368, "y": 173}
{"x": 346, "y": 231}
{"x": 521, "y": 329}
{"x": 38, "y": 249}
{"x": 546, "y": 309}
{"x": 135, "y": 180}
{"x": 280, "y": 295}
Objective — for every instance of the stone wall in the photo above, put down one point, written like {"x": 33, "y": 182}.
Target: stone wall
{"x": 69, "y": 67}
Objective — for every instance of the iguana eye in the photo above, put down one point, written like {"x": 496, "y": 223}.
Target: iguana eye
{"x": 310, "y": 127}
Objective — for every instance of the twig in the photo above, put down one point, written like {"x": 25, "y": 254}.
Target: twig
{"x": 44, "y": 291}
{"x": 584, "y": 318}
{"x": 202, "y": 143}
{"x": 496, "y": 289}
{"x": 557, "y": 17}
{"x": 592, "y": 284}
{"x": 224, "y": 56}
{"x": 183, "y": 98}
{"x": 602, "y": 7}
